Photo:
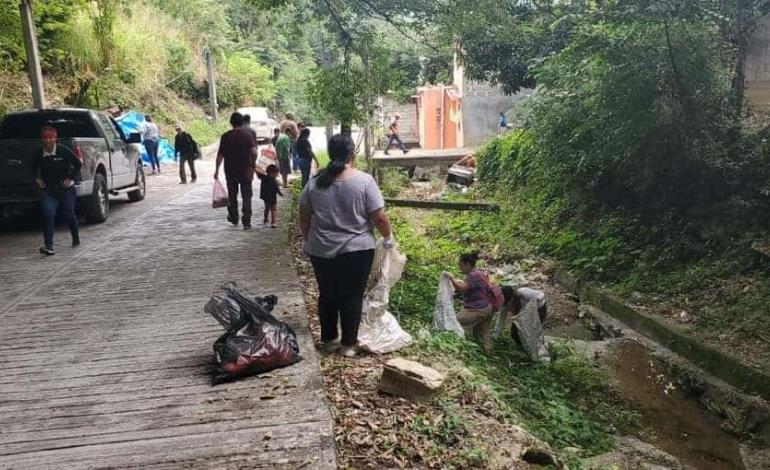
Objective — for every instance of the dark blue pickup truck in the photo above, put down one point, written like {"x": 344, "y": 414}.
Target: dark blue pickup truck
{"x": 111, "y": 160}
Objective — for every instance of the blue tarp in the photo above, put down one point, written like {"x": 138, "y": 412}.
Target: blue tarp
{"x": 131, "y": 121}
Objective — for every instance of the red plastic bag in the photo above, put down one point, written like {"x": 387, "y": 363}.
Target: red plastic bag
{"x": 219, "y": 198}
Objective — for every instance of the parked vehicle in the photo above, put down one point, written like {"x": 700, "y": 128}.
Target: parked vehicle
{"x": 111, "y": 160}
{"x": 261, "y": 121}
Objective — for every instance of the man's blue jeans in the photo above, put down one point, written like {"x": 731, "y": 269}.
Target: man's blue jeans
{"x": 51, "y": 203}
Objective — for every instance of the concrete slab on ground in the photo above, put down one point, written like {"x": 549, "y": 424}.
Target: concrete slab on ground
{"x": 419, "y": 156}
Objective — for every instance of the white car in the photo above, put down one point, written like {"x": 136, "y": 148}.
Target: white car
{"x": 261, "y": 121}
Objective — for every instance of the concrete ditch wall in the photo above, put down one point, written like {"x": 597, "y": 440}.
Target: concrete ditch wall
{"x": 730, "y": 370}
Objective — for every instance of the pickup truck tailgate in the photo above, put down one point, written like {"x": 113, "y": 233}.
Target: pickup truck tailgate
{"x": 16, "y": 161}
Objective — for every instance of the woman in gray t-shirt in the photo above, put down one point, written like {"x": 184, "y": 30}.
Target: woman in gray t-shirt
{"x": 339, "y": 210}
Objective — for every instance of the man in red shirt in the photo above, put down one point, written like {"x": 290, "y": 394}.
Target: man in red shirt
{"x": 238, "y": 149}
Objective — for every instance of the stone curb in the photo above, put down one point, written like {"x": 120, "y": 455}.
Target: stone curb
{"x": 712, "y": 361}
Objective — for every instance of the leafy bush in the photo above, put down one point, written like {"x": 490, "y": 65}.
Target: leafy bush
{"x": 631, "y": 115}
{"x": 206, "y": 131}
{"x": 505, "y": 162}
{"x": 244, "y": 81}
{"x": 179, "y": 77}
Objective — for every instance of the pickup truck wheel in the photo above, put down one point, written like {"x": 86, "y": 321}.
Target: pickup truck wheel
{"x": 98, "y": 203}
{"x": 138, "y": 195}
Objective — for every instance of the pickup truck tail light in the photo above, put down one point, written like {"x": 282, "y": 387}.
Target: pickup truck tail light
{"x": 78, "y": 153}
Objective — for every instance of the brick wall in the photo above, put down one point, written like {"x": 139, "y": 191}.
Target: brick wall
{"x": 408, "y": 111}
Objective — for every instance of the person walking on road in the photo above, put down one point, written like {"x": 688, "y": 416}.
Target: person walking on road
{"x": 186, "y": 150}
{"x": 283, "y": 151}
{"x": 151, "y": 142}
{"x": 338, "y": 211}
{"x": 247, "y": 126}
{"x": 305, "y": 155}
{"x": 269, "y": 192}
{"x": 476, "y": 314}
{"x": 56, "y": 169}
{"x": 238, "y": 149}
{"x": 394, "y": 134}
{"x": 502, "y": 125}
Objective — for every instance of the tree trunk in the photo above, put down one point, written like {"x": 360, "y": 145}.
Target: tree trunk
{"x": 739, "y": 79}
{"x": 745, "y": 24}
{"x": 368, "y": 140}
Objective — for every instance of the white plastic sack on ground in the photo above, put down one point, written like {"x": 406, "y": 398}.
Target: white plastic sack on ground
{"x": 531, "y": 332}
{"x": 444, "y": 318}
{"x": 379, "y": 331}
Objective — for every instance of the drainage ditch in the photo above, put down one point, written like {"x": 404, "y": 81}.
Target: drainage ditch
{"x": 702, "y": 422}
{"x": 673, "y": 419}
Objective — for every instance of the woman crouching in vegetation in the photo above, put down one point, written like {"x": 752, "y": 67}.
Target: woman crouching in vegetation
{"x": 515, "y": 300}
{"x": 476, "y": 314}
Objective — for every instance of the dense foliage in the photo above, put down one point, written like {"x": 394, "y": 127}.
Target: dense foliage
{"x": 566, "y": 403}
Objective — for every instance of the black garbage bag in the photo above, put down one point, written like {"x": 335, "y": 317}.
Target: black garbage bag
{"x": 229, "y": 302}
{"x": 255, "y": 340}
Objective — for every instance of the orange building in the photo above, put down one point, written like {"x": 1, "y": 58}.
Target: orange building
{"x": 439, "y": 117}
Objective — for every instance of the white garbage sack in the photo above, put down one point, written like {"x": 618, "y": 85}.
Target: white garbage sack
{"x": 531, "y": 332}
{"x": 444, "y": 318}
{"x": 379, "y": 331}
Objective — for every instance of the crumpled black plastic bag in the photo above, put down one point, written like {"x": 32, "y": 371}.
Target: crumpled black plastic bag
{"x": 255, "y": 340}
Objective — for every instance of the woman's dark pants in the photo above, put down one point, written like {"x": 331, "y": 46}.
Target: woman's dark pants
{"x": 341, "y": 285}
{"x": 304, "y": 168}
{"x": 152, "y": 151}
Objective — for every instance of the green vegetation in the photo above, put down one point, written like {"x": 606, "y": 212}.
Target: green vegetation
{"x": 149, "y": 55}
{"x": 638, "y": 168}
{"x": 566, "y": 403}
{"x": 725, "y": 282}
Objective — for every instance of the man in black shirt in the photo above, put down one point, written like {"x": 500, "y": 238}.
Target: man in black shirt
{"x": 185, "y": 147}
{"x": 56, "y": 169}
{"x": 238, "y": 150}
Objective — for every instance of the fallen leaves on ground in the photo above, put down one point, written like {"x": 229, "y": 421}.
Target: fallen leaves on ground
{"x": 375, "y": 430}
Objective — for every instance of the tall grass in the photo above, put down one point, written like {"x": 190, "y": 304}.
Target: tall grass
{"x": 82, "y": 44}
{"x": 206, "y": 131}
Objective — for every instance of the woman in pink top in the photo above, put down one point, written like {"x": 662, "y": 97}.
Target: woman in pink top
{"x": 476, "y": 314}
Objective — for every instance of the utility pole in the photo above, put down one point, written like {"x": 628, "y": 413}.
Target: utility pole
{"x": 212, "y": 84}
{"x": 33, "y": 56}
{"x": 326, "y": 61}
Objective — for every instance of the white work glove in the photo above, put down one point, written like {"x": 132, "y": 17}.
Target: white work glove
{"x": 389, "y": 243}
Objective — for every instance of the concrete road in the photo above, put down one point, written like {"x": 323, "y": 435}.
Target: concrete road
{"x": 105, "y": 350}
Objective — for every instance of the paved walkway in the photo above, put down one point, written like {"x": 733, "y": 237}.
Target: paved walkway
{"x": 105, "y": 350}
